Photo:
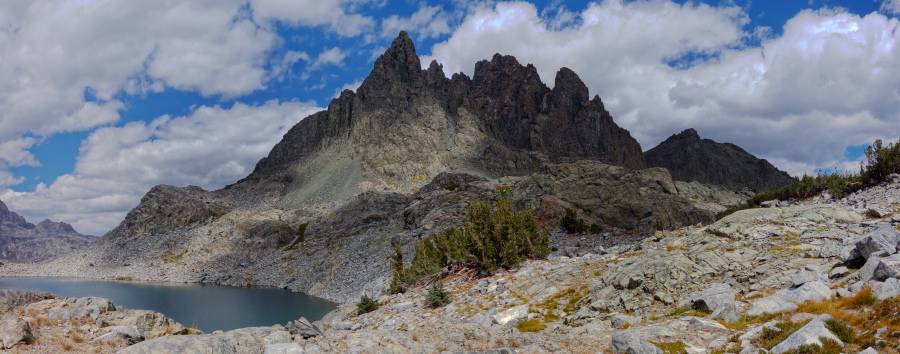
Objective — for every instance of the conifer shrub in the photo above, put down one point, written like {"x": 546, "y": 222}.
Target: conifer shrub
{"x": 366, "y": 305}
{"x": 573, "y": 224}
{"x": 437, "y": 296}
{"x": 492, "y": 236}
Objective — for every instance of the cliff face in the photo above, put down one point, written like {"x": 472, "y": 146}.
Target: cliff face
{"x": 690, "y": 158}
{"x": 406, "y": 124}
{"x": 22, "y": 241}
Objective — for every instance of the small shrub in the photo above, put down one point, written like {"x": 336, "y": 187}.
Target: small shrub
{"x": 301, "y": 232}
{"x": 844, "y": 333}
{"x": 863, "y": 298}
{"x": 532, "y": 325}
{"x": 769, "y": 338}
{"x": 671, "y": 347}
{"x": 678, "y": 311}
{"x": 572, "y": 223}
{"x": 437, "y": 296}
{"x": 396, "y": 285}
{"x": 366, "y": 305}
{"x": 829, "y": 346}
{"x": 493, "y": 236}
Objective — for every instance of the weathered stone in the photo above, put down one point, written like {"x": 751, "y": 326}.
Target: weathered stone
{"x": 284, "y": 348}
{"x": 626, "y": 342}
{"x": 808, "y": 334}
{"x": 705, "y": 324}
{"x": 769, "y": 305}
{"x": 512, "y": 316}
{"x": 303, "y": 328}
{"x": 882, "y": 238}
{"x": 243, "y": 340}
{"x": 828, "y": 249}
{"x": 811, "y": 291}
{"x": 756, "y": 223}
{"x": 711, "y": 299}
{"x": 338, "y": 324}
{"x": 887, "y": 268}
{"x": 131, "y": 334}
{"x": 102, "y": 305}
{"x": 15, "y": 331}
{"x": 619, "y": 321}
{"x": 887, "y": 289}
{"x": 727, "y": 312}
{"x": 838, "y": 272}
{"x": 877, "y": 213}
{"x": 805, "y": 275}
{"x": 73, "y": 313}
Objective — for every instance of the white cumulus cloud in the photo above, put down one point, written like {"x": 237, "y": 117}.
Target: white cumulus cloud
{"x": 211, "y": 148}
{"x": 829, "y": 81}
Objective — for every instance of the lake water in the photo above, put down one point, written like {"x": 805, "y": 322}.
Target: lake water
{"x": 206, "y": 307}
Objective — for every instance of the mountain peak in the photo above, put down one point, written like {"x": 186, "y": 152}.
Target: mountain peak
{"x": 398, "y": 68}
{"x": 689, "y": 158}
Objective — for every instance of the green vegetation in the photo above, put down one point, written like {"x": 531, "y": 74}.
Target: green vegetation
{"x": 301, "y": 231}
{"x": 573, "y": 224}
{"x": 671, "y": 347}
{"x": 437, "y": 296}
{"x": 492, "y": 236}
{"x": 532, "y": 325}
{"x": 844, "y": 333}
{"x": 829, "y": 346}
{"x": 366, "y": 305}
{"x": 770, "y": 338}
{"x": 881, "y": 162}
{"x": 678, "y": 311}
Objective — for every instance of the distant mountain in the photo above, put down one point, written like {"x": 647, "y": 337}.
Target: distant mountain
{"x": 690, "y": 158}
{"x": 22, "y": 241}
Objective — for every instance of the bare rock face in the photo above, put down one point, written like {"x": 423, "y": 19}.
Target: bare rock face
{"x": 691, "y": 158}
{"x": 21, "y": 241}
{"x": 405, "y": 124}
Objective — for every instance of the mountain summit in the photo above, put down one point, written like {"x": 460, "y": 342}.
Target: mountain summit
{"x": 690, "y": 158}
{"x": 22, "y": 241}
{"x": 405, "y": 124}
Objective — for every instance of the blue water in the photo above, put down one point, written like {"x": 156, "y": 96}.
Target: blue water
{"x": 206, "y": 307}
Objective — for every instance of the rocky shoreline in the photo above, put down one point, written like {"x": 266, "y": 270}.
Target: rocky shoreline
{"x": 726, "y": 286}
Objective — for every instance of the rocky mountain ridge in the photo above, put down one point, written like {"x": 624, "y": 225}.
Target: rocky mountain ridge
{"x": 22, "y": 241}
{"x": 405, "y": 125}
{"x": 771, "y": 279}
{"x": 690, "y": 158}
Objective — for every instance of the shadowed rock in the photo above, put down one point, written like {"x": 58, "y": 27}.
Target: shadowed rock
{"x": 690, "y": 158}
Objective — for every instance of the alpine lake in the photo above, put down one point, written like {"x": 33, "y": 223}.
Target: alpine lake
{"x": 205, "y": 307}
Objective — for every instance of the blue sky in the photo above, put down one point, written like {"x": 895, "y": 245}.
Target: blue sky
{"x": 101, "y": 100}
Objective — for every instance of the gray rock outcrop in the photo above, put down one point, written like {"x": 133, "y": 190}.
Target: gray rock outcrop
{"x": 15, "y": 331}
{"x": 243, "y": 340}
{"x": 769, "y": 305}
{"x": 757, "y": 223}
{"x": 808, "y": 334}
{"x": 626, "y": 342}
{"x": 883, "y": 238}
